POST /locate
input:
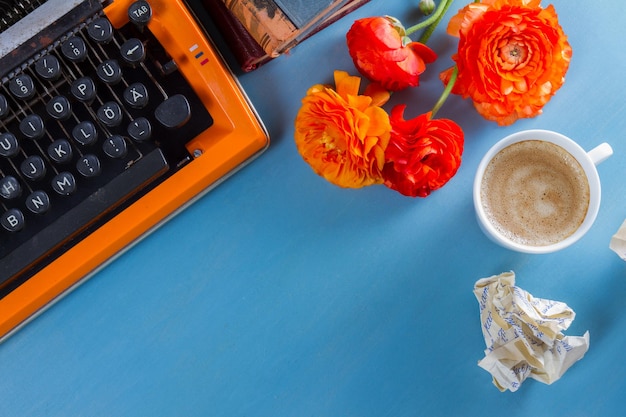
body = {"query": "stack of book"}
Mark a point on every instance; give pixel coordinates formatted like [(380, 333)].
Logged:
[(260, 30)]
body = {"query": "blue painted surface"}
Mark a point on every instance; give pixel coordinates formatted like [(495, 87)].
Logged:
[(279, 294)]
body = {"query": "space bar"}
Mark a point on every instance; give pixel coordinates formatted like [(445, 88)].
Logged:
[(81, 216)]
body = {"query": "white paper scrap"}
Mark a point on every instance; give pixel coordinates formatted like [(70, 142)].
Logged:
[(618, 241), (523, 334)]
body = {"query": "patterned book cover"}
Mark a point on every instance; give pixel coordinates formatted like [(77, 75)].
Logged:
[(257, 31), (265, 21), (278, 25)]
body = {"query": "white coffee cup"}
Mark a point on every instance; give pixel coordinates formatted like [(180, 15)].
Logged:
[(587, 161)]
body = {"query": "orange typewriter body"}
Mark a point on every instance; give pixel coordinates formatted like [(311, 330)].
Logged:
[(236, 136)]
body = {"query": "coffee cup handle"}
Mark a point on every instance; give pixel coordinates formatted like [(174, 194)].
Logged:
[(600, 153)]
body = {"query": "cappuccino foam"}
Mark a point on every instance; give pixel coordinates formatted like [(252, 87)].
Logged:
[(535, 193)]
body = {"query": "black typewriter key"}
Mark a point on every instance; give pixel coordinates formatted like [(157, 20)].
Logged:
[(60, 151), (140, 13), (74, 49), (85, 133), (167, 67), (38, 202), (115, 147), (12, 220), (59, 108), (33, 167), (110, 114), (84, 89), (109, 71), (133, 51), (173, 112), (32, 126), (48, 67), (4, 106), (136, 95), (10, 187), (22, 86), (140, 129), (64, 183), (89, 166), (100, 30), (9, 145)]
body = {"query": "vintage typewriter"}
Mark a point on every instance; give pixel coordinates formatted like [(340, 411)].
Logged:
[(114, 115)]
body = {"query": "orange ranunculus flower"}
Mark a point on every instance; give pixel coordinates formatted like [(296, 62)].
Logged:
[(423, 153), (343, 135), (512, 57), (382, 52)]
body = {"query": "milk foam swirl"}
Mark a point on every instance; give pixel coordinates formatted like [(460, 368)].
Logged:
[(535, 193)]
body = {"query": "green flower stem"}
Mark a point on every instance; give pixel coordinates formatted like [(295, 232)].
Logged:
[(429, 31), (446, 92), (432, 20)]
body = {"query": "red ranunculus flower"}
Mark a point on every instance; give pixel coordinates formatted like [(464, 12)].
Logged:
[(382, 52), (512, 57), (423, 153)]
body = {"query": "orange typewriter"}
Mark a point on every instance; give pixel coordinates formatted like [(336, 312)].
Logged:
[(114, 115)]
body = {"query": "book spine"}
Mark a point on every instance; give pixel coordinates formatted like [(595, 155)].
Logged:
[(246, 50), (265, 22)]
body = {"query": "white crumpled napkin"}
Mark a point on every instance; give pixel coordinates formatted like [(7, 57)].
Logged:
[(618, 241), (523, 334)]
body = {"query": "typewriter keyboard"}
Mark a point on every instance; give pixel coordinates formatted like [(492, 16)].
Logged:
[(87, 126)]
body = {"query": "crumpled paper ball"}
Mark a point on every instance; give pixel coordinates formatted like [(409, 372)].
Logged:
[(524, 335)]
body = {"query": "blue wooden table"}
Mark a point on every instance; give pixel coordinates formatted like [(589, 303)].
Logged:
[(278, 294)]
